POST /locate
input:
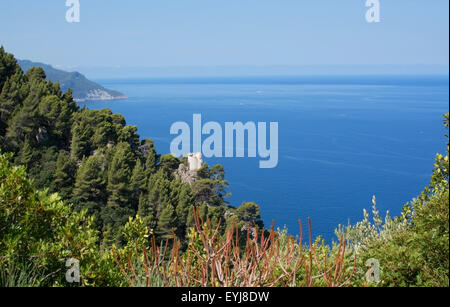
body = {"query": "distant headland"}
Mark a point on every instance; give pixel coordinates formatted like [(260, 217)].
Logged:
[(83, 88)]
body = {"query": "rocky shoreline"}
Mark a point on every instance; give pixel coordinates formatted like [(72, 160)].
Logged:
[(99, 95)]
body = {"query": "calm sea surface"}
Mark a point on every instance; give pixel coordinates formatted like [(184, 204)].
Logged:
[(341, 139)]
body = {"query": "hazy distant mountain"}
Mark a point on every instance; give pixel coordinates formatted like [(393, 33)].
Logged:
[(101, 72), (83, 89)]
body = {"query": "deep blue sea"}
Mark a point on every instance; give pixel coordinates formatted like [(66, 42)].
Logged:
[(341, 139)]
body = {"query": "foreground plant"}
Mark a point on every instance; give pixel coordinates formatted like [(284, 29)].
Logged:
[(221, 261)]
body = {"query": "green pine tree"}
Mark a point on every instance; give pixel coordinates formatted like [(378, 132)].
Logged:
[(64, 177), (167, 223), (152, 159), (89, 191), (119, 175), (138, 182), (25, 155)]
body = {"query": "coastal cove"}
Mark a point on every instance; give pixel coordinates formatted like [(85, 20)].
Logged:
[(341, 139)]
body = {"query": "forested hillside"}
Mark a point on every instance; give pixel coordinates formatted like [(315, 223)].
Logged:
[(93, 160), (79, 183)]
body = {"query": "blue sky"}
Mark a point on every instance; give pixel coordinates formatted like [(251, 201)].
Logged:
[(226, 32)]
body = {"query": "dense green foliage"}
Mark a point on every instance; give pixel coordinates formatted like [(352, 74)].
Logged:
[(95, 161), (78, 183), (38, 230)]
